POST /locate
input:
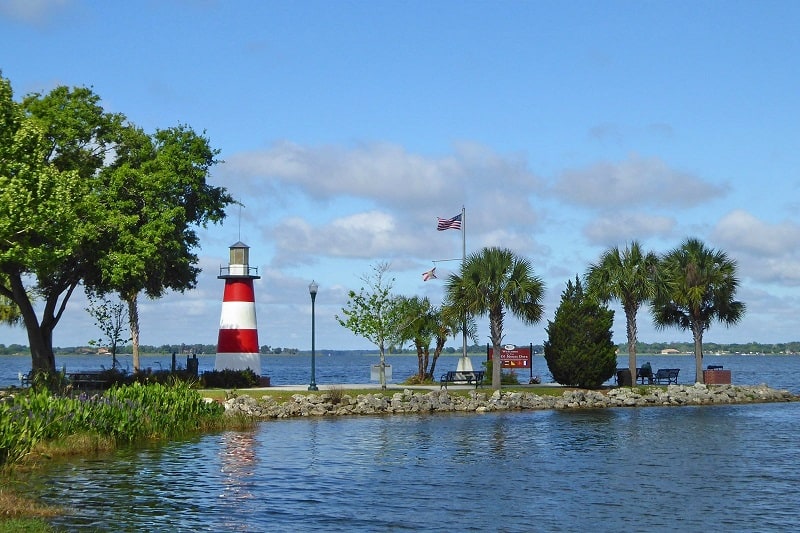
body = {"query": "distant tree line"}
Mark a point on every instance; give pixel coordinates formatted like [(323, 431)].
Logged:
[(711, 348)]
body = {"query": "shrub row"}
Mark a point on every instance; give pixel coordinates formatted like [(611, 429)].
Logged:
[(123, 413)]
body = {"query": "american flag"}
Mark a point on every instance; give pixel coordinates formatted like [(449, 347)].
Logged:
[(448, 223), (430, 274)]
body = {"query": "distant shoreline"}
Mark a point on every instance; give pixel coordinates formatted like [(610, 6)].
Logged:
[(334, 353)]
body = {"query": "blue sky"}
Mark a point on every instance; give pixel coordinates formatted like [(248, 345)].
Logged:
[(347, 127)]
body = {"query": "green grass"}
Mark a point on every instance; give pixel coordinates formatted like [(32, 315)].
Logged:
[(19, 513), (24, 525)]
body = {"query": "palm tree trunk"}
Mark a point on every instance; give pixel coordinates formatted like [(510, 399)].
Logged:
[(440, 342), (697, 332), (631, 319), (420, 362), (496, 332)]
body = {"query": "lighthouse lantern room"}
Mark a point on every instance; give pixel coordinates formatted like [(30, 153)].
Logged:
[(237, 344)]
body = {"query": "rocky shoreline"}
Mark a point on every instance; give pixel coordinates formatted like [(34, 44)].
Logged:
[(335, 403)]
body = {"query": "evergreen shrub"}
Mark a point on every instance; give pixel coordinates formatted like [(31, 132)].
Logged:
[(579, 350)]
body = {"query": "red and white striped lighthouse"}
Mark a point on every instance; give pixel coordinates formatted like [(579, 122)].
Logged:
[(237, 344)]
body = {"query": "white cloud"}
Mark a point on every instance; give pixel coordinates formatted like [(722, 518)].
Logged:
[(382, 171), (360, 235), (747, 233), (635, 182), (614, 228), (766, 252)]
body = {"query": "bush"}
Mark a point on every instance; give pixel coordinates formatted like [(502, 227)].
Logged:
[(124, 414), (579, 350), (230, 379)]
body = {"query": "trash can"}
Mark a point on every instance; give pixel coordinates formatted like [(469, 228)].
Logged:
[(717, 377), (624, 378)]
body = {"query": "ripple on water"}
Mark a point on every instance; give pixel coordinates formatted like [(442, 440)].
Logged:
[(722, 467)]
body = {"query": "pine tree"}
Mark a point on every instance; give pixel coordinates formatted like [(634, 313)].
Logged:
[(579, 350)]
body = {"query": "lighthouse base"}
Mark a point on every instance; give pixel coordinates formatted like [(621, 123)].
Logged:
[(238, 361)]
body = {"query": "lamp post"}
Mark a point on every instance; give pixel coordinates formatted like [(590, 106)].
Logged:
[(312, 289)]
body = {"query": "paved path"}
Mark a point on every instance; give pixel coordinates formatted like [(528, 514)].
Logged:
[(393, 386)]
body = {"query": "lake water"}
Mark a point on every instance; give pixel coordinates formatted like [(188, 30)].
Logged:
[(710, 468), (778, 371), (715, 468)]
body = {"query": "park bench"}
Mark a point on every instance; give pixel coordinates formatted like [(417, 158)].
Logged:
[(89, 380), (666, 375), (462, 376)]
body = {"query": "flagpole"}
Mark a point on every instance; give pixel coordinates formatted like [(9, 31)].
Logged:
[(463, 261)]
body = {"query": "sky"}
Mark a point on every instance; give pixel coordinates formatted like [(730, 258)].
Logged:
[(346, 128)]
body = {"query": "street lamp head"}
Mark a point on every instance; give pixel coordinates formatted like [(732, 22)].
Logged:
[(312, 288)]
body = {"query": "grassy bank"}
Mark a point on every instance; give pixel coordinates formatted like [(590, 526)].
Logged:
[(36, 425)]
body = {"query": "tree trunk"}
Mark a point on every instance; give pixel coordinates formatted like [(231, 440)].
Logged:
[(631, 323), (382, 371), (133, 319), (420, 363), (42, 358), (440, 342), (40, 336), (497, 363), (496, 333), (698, 353)]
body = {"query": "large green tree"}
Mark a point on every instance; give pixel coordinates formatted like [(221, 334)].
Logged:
[(374, 313), (491, 282), (579, 350), (87, 197), (630, 276), (158, 191), (47, 216), (698, 286)]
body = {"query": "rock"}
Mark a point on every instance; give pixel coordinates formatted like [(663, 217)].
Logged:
[(442, 401)]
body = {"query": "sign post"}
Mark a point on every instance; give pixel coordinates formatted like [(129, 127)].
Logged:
[(512, 356)]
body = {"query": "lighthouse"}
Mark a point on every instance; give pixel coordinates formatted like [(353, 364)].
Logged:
[(237, 344)]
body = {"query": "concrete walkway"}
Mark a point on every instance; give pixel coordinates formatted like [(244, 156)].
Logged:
[(367, 386), (395, 386)]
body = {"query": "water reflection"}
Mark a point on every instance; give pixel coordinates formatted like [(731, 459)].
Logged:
[(238, 464), (717, 468)]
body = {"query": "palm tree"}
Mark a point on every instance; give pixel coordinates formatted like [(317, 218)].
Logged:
[(490, 282), (422, 323), (418, 322), (629, 276), (698, 286)]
